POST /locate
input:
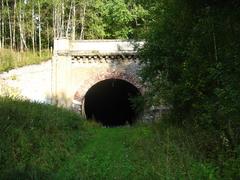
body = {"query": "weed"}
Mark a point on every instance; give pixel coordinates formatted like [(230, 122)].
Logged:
[(11, 59), (45, 142), (13, 77), (35, 136)]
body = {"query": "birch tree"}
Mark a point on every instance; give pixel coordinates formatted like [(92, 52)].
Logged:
[(39, 29)]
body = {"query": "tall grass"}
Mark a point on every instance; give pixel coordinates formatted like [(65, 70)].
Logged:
[(190, 153), (45, 142), (36, 139), (168, 152), (12, 59)]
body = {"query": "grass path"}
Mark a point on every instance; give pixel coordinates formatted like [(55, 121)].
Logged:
[(134, 153), (45, 142), (107, 155)]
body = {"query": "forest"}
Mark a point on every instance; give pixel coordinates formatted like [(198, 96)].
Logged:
[(32, 25), (191, 64)]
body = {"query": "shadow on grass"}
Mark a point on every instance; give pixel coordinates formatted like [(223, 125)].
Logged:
[(29, 172)]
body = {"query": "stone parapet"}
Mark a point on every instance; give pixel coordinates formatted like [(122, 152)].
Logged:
[(96, 47)]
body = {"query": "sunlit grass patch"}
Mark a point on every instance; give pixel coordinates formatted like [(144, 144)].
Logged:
[(12, 59)]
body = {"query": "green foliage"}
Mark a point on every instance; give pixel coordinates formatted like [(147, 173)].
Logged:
[(118, 22), (191, 64), (138, 104), (115, 19), (93, 19)]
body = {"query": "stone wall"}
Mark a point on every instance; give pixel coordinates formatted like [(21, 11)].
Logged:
[(78, 65)]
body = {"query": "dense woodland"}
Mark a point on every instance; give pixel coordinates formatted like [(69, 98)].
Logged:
[(191, 58), (33, 24), (192, 65)]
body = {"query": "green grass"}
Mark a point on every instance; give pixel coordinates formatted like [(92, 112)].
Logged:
[(12, 59), (36, 139), (135, 153), (45, 142)]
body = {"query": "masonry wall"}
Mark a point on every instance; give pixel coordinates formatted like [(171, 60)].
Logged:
[(74, 73)]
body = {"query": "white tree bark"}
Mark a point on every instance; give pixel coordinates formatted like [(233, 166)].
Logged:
[(10, 25), (14, 24), (83, 22), (39, 30), (3, 28), (33, 29), (74, 21), (69, 20)]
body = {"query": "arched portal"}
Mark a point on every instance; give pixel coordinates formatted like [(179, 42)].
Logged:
[(109, 102)]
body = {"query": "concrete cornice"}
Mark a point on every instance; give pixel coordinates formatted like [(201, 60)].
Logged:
[(96, 47)]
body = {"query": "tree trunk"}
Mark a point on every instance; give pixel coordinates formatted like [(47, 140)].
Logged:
[(83, 22), (0, 29), (24, 28), (33, 29), (69, 20), (10, 25), (74, 21), (39, 30), (63, 17), (2, 24), (20, 25), (14, 24), (48, 37), (54, 22), (57, 21)]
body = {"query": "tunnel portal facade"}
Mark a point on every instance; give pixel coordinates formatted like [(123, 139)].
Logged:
[(78, 66)]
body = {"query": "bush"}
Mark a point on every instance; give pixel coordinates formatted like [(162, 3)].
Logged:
[(192, 65)]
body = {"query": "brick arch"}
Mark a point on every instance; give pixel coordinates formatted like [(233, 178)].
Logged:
[(131, 78)]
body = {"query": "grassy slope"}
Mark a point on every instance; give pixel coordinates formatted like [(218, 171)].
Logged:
[(11, 59), (35, 138), (45, 142)]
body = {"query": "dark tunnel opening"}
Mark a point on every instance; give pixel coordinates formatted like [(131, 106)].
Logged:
[(108, 102)]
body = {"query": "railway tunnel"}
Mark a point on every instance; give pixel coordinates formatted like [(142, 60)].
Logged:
[(109, 102)]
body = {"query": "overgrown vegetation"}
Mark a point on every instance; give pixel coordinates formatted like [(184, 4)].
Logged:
[(139, 152), (36, 140), (12, 59), (192, 65), (44, 142)]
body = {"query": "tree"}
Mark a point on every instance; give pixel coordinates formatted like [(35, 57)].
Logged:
[(191, 63), (22, 26)]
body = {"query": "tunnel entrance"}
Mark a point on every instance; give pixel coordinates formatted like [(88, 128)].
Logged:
[(108, 102)]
